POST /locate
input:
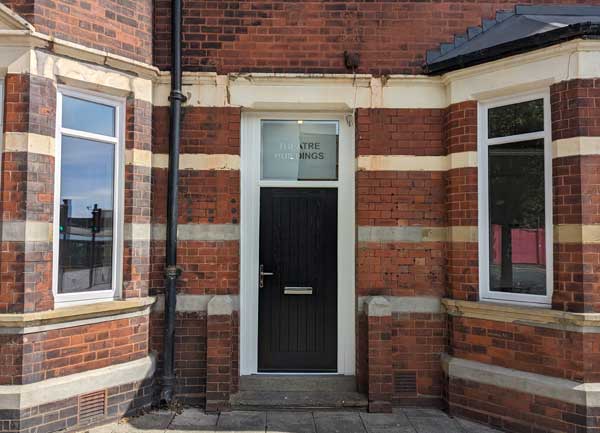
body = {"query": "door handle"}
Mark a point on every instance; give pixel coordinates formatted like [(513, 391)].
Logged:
[(261, 275)]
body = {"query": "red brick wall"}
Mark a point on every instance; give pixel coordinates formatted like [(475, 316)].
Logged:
[(462, 271), (518, 412), (379, 370), (122, 28), (401, 198), (400, 131), (311, 36), (61, 352), (11, 358), (129, 399), (418, 340), (203, 130), (575, 109), (401, 269), (190, 353), (557, 353), (30, 102), (219, 351), (27, 193), (461, 201)]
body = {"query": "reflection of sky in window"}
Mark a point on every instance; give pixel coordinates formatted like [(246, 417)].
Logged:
[(88, 116), (87, 175)]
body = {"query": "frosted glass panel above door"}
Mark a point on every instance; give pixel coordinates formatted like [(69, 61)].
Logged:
[(299, 150)]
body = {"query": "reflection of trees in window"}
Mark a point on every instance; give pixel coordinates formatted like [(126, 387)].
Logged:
[(516, 196), (514, 119)]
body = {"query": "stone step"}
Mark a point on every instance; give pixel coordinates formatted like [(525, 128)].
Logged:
[(297, 383), (296, 400)]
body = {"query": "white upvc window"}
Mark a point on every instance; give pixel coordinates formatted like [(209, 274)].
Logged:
[(88, 193), (515, 199)]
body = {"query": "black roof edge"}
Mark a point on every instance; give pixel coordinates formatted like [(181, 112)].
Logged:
[(585, 30)]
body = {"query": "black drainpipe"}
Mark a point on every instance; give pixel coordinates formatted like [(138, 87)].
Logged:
[(171, 271)]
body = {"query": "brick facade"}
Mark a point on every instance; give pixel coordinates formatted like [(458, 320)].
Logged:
[(64, 415), (575, 109), (399, 354), (39, 356), (400, 131), (401, 268), (517, 412), (310, 37), (576, 183), (190, 353), (461, 201), (27, 194), (121, 28)]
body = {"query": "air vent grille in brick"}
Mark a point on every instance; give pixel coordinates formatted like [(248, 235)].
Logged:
[(405, 383), (92, 406)]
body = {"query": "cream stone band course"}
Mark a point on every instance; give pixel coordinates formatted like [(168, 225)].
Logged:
[(416, 163), (18, 397), (417, 234), (26, 231), (199, 303), (576, 146), (524, 315), (28, 142), (583, 394), (199, 161), (588, 234), (138, 157), (405, 304)]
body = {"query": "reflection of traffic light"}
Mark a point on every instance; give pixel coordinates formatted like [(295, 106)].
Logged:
[(64, 215), (96, 219)]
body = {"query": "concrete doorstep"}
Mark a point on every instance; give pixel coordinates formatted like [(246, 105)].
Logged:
[(194, 420)]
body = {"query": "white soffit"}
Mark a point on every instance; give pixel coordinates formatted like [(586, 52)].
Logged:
[(578, 59)]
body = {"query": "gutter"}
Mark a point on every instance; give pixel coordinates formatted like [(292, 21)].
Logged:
[(519, 46), (176, 98)]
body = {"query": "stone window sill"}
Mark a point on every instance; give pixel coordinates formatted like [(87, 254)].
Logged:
[(74, 313), (517, 314)]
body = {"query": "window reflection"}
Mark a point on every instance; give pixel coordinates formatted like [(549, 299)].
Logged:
[(517, 217), (86, 215), (514, 119), (88, 116)]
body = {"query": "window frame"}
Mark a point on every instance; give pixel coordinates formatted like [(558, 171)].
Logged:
[(69, 299), (483, 143)]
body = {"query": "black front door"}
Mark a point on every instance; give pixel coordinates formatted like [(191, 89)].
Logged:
[(297, 314)]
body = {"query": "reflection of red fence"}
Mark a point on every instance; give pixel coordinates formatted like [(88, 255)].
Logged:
[(528, 245)]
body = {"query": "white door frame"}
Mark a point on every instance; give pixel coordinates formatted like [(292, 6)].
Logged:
[(249, 245)]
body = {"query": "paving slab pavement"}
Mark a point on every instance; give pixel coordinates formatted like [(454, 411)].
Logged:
[(402, 420)]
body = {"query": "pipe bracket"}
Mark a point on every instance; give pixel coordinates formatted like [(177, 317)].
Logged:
[(172, 272), (177, 95)]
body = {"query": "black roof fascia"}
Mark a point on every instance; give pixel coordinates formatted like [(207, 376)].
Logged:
[(574, 31)]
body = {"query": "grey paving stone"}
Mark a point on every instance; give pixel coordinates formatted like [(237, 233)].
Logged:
[(193, 420), (422, 412), (473, 427), (436, 424), (290, 422), (155, 422), (242, 421), (339, 422), (374, 420), (387, 429), (106, 428)]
